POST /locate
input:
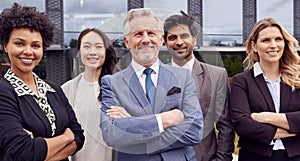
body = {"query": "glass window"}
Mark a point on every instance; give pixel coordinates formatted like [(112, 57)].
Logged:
[(222, 22), (40, 4), (173, 6), (82, 14), (281, 10)]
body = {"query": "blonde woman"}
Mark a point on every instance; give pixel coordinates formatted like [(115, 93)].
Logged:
[(264, 100)]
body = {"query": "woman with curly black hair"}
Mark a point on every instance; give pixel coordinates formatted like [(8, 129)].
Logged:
[(36, 120)]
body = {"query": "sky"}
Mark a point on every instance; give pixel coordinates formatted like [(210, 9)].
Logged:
[(219, 16)]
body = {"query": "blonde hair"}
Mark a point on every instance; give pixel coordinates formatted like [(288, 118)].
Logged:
[(139, 12), (288, 63)]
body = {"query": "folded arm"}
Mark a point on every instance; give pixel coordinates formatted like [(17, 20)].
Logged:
[(241, 98), (144, 129), (169, 118), (20, 143), (189, 131), (125, 130), (59, 147), (276, 119)]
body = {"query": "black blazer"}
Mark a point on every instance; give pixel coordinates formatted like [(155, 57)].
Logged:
[(251, 94), (21, 112)]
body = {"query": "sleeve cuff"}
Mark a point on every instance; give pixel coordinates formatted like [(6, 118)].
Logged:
[(159, 121)]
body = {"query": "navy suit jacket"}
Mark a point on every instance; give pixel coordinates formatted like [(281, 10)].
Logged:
[(138, 138), (251, 94), (18, 113)]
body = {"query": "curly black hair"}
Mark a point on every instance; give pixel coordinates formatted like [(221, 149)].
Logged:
[(25, 17)]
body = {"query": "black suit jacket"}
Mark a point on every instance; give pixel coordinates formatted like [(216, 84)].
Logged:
[(251, 94), (18, 113)]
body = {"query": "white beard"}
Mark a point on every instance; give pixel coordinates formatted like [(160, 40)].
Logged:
[(145, 53)]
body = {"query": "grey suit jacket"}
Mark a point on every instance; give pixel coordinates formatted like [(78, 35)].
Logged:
[(138, 138), (212, 84)]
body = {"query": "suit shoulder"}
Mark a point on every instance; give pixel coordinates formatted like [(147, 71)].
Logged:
[(214, 67), (121, 72), (7, 90), (5, 86), (106, 77), (245, 76), (175, 69)]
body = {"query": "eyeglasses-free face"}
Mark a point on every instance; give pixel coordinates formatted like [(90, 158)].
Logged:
[(144, 40), (24, 49)]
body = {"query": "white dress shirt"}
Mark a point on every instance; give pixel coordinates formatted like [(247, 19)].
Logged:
[(139, 71)]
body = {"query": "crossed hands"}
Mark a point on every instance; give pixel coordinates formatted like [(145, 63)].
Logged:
[(117, 112), (68, 133), (169, 118), (277, 119)]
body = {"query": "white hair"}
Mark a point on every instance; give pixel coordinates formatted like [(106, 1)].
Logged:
[(139, 12)]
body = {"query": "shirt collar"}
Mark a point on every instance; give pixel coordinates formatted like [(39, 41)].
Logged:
[(139, 69), (189, 65), (257, 69), (22, 89)]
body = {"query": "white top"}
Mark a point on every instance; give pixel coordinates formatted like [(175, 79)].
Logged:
[(82, 96)]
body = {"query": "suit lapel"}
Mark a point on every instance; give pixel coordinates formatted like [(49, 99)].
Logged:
[(135, 87), (263, 88), (38, 111), (284, 97), (166, 80), (203, 82), (198, 74)]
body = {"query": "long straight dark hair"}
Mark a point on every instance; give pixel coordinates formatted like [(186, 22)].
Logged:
[(110, 58)]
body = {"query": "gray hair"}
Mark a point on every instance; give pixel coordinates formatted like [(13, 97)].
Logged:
[(138, 12)]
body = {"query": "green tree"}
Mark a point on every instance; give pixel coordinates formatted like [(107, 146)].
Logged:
[(233, 64)]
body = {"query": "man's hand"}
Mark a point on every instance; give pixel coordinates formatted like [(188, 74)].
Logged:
[(172, 118), (117, 112)]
